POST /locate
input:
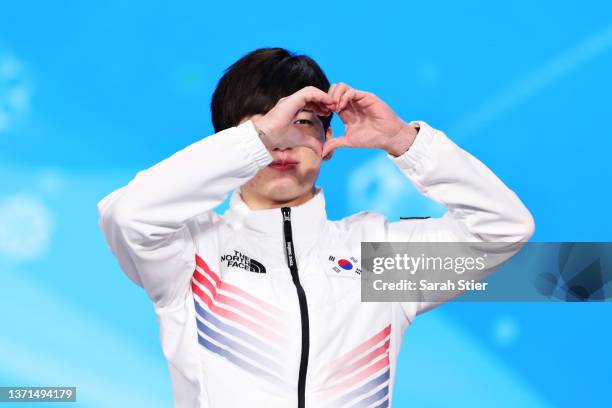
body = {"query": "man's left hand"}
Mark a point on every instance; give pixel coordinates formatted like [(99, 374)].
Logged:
[(369, 122)]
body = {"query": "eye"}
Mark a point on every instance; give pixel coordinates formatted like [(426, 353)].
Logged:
[(305, 121)]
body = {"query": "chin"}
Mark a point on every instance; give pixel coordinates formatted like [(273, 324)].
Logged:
[(285, 191)]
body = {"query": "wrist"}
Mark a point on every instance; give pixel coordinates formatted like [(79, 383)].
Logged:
[(402, 140), (261, 131), (258, 128)]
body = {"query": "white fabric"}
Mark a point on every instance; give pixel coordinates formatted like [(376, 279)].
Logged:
[(156, 224)]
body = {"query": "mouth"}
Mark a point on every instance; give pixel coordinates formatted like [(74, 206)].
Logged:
[(283, 165)]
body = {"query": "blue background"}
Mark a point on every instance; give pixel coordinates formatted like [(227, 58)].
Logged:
[(90, 93)]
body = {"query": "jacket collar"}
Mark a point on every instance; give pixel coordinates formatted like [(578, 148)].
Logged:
[(307, 219)]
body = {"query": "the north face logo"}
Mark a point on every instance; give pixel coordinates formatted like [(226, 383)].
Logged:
[(240, 260)]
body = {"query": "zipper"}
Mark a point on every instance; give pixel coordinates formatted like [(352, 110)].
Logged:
[(291, 262)]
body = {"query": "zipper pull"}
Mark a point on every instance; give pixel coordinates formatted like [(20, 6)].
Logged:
[(286, 213)]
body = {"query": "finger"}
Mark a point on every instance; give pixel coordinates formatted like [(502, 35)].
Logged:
[(334, 91), (331, 90), (349, 114), (298, 100), (346, 97), (333, 144), (341, 90), (362, 99), (320, 107), (319, 110), (312, 94)]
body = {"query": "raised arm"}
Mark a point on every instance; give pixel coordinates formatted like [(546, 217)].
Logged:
[(147, 222), (481, 208)]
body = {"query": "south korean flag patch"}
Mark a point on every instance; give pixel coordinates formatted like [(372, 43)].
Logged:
[(344, 266)]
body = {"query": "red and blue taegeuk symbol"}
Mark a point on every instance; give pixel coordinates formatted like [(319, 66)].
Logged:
[(345, 264)]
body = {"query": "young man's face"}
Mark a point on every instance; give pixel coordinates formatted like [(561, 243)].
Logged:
[(294, 170)]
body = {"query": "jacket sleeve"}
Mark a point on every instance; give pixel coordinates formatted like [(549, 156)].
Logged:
[(147, 223), (480, 207)]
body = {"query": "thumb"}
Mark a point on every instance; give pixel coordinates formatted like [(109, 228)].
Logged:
[(334, 143)]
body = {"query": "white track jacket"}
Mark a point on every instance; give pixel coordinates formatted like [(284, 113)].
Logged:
[(261, 308)]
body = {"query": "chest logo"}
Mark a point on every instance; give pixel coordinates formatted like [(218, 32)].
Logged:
[(340, 264), (240, 260)]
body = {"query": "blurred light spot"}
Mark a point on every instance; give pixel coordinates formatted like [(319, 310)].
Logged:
[(505, 331), (51, 181), (378, 185), (18, 97), (26, 226), (15, 91), (375, 185), (9, 67)]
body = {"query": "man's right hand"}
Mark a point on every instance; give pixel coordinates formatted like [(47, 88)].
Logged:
[(276, 126)]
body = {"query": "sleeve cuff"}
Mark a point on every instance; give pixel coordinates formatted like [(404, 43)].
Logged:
[(256, 150), (411, 160)]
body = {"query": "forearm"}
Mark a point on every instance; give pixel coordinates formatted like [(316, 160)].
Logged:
[(160, 199), (482, 210), (400, 143), (480, 206)]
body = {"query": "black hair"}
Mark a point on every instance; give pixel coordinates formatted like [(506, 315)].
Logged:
[(253, 84)]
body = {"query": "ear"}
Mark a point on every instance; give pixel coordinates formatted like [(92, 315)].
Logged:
[(328, 136)]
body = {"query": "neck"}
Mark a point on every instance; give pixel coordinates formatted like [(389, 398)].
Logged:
[(258, 202)]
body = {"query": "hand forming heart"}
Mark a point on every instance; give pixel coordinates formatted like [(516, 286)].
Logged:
[(369, 122), (276, 126)]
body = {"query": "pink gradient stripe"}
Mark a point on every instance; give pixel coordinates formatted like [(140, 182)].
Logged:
[(383, 363), (363, 361), (243, 307), (377, 338), (228, 287), (228, 314)]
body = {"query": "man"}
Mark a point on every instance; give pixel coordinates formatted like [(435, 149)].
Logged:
[(253, 308)]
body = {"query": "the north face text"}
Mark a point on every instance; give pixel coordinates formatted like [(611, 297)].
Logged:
[(240, 260)]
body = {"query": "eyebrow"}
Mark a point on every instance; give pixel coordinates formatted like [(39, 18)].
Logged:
[(307, 111), (311, 112)]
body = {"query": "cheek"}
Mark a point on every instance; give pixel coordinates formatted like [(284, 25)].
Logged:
[(264, 177), (310, 160), (258, 179)]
